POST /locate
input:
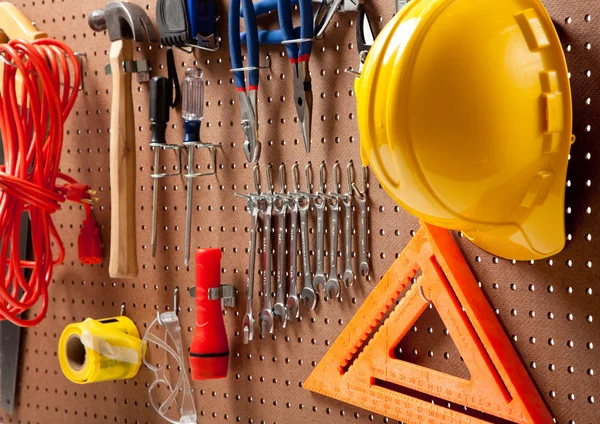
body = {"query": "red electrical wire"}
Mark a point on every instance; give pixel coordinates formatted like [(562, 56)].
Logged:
[(32, 137)]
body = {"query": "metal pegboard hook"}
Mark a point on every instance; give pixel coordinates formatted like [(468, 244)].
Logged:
[(422, 293), (176, 300), (256, 174), (295, 176), (255, 68), (336, 180), (322, 176), (281, 199), (269, 175), (308, 176), (365, 178), (350, 175), (400, 4), (122, 313), (282, 181)]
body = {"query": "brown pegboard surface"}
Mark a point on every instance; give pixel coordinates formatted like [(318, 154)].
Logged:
[(550, 309)]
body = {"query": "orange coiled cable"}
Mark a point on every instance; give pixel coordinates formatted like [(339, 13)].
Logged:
[(32, 138)]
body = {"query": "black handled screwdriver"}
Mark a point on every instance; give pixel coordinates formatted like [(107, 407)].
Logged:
[(161, 91)]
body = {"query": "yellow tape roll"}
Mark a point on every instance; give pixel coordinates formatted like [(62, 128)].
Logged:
[(100, 350)]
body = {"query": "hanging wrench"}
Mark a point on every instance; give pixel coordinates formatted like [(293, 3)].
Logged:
[(280, 207), (248, 322), (293, 303), (253, 209), (347, 199), (364, 219), (266, 315), (320, 202), (308, 294), (332, 288)]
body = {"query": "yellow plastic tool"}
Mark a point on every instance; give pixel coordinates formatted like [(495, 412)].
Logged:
[(15, 25), (361, 369), (100, 350), (465, 116)]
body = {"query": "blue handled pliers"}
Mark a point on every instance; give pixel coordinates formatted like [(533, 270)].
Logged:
[(248, 95), (298, 50)]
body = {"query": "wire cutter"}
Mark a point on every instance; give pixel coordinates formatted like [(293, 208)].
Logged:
[(298, 50), (327, 9), (300, 58), (248, 96), (365, 36)]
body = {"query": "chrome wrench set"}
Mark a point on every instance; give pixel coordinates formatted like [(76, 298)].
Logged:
[(290, 208)]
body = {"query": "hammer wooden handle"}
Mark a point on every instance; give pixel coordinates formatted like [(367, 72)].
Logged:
[(123, 253)]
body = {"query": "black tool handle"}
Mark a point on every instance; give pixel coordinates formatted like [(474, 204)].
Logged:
[(161, 92), (172, 20)]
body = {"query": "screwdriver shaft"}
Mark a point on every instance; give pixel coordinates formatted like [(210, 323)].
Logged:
[(188, 209), (154, 201)]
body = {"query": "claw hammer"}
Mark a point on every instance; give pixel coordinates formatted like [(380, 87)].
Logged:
[(125, 22)]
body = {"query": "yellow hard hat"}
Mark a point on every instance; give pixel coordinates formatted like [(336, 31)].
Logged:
[(465, 116)]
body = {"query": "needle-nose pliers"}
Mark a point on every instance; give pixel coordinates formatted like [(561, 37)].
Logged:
[(298, 44), (248, 95)]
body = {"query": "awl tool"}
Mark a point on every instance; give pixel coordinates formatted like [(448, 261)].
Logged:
[(192, 111), (160, 94)]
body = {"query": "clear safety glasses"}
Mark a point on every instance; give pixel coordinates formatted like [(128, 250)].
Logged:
[(173, 402)]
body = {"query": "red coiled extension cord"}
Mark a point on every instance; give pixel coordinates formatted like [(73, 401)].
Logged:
[(32, 137)]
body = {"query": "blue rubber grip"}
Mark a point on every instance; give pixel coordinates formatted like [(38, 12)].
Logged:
[(202, 17), (307, 27), (192, 131), (251, 41), (270, 37), (235, 46), (265, 6), (284, 11)]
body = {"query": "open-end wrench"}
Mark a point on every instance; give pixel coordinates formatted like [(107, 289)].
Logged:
[(308, 294), (319, 280), (292, 303), (348, 277), (248, 322), (320, 201), (253, 209), (332, 287), (364, 230), (280, 206), (266, 315)]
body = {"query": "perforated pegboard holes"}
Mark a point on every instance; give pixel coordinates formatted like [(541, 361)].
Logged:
[(560, 286)]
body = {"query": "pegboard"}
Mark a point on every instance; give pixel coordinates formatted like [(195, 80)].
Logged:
[(550, 309)]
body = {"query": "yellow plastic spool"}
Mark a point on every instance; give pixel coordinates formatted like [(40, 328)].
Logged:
[(100, 350), (465, 116)]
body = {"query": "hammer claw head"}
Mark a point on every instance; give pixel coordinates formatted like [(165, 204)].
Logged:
[(96, 20), (124, 20)]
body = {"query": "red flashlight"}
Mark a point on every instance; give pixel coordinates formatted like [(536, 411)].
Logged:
[(209, 353)]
